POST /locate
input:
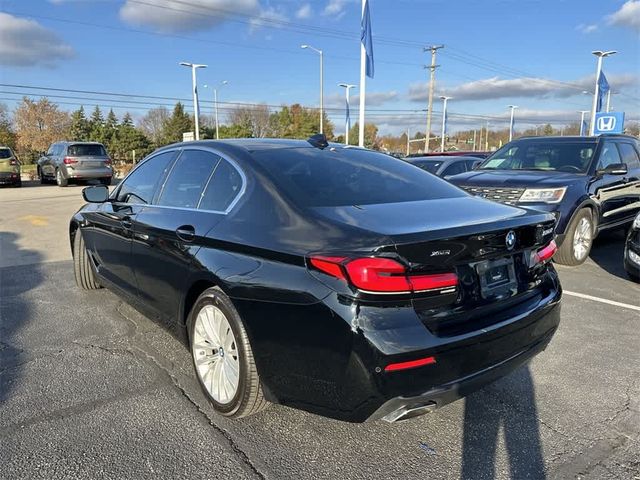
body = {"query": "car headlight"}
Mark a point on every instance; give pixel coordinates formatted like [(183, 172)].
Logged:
[(636, 222), (543, 195)]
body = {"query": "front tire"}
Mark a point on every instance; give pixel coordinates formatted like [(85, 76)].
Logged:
[(60, 180), (222, 356), (85, 276), (579, 239)]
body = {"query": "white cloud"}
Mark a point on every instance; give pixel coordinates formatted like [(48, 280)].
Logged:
[(176, 16), (374, 99), (526, 87), (25, 43), (268, 16), (304, 11), (335, 9), (627, 16), (584, 28)]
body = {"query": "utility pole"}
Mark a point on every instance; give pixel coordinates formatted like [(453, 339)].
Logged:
[(480, 139), (474, 140), (512, 107), (408, 142), (594, 106), (319, 52), (432, 70), (486, 140), (347, 120)]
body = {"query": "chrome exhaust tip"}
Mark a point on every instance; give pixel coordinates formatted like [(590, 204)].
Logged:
[(405, 412)]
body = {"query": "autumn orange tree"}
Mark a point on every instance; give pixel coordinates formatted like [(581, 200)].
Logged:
[(38, 124)]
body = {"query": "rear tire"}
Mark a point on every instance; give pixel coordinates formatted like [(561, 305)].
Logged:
[(217, 352), (60, 180), (579, 239), (43, 180), (85, 276)]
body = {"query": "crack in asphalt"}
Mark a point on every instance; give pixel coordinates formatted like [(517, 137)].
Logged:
[(244, 457)]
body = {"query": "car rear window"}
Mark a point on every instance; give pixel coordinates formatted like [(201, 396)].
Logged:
[(431, 167), (86, 150), (349, 176), (548, 154), (5, 153)]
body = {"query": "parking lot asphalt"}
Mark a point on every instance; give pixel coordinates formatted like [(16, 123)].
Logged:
[(90, 388)]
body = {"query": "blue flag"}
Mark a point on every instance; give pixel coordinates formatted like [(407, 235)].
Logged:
[(603, 89), (366, 38)]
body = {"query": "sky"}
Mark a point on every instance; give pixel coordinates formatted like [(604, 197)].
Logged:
[(535, 54)]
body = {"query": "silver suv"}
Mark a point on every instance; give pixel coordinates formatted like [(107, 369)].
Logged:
[(73, 161)]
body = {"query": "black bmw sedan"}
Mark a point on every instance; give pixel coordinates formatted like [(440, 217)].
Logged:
[(328, 278)]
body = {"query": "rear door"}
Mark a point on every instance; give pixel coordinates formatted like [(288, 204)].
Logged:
[(631, 159), (109, 233), (169, 233), (611, 190)]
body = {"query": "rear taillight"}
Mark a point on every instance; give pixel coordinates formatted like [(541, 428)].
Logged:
[(107, 161), (545, 253), (69, 161), (13, 162), (382, 275)]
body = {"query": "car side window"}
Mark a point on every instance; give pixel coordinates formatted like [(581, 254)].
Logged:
[(140, 186), (52, 149), (629, 155), (188, 178), (455, 169), (223, 188), (608, 156)]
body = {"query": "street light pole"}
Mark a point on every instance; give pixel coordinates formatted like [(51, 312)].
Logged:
[(512, 107), (444, 121), (347, 119), (432, 68), (196, 108), (600, 54), (319, 52)]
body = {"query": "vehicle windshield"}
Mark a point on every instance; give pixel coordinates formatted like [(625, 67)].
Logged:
[(429, 166), (546, 155), (5, 153), (86, 150), (341, 177)]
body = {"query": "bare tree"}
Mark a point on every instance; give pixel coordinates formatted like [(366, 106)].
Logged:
[(39, 124), (253, 117), (153, 122)]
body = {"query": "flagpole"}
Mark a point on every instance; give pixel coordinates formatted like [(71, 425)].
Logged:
[(363, 55)]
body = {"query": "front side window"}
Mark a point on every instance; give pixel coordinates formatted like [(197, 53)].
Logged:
[(140, 186), (431, 167), (629, 155), (608, 156), (223, 188), (188, 178), (547, 155)]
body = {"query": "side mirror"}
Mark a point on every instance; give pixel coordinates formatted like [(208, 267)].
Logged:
[(96, 194), (614, 169)]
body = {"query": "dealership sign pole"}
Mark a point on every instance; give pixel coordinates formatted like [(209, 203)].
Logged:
[(596, 94)]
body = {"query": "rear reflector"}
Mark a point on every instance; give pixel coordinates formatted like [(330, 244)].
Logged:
[(421, 362), (381, 275)]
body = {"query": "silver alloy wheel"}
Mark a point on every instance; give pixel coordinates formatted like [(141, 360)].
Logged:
[(215, 354), (58, 177), (582, 238)]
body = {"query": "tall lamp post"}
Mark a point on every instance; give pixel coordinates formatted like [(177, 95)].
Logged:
[(347, 119), (215, 105), (196, 109), (319, 52), (600, 54), (513, 108), (444, 121)]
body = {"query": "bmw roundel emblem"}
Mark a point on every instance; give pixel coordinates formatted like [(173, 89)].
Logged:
[(510, 239)]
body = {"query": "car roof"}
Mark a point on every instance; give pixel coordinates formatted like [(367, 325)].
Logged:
[(250, 144), (573, 138), (450, 159)]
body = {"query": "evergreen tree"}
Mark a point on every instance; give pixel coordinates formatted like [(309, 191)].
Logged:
[(96, 126), (79, 129), (178, 123), (130, 139), (110, 132)]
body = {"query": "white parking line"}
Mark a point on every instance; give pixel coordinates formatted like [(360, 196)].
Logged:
[(602, 300)]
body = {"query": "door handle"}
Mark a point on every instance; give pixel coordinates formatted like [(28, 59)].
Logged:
[(126, 222), (186, 233)]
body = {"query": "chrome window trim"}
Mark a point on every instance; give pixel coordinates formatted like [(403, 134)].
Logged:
[(233, 163)]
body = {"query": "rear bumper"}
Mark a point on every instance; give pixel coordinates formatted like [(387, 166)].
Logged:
[(87, 173), (9, 178), (402, 408), (632, 253)]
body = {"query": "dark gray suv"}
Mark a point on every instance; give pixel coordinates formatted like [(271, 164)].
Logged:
[(73, 161)]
